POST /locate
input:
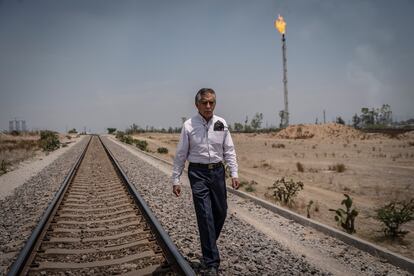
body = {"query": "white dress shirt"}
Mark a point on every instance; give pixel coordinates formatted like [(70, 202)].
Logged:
[(200, 143)]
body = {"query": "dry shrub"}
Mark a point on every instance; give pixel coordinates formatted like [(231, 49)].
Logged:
[(339, 167), (300, 167), (278, 146)]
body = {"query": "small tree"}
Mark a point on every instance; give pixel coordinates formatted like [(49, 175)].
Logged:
[(346, 218), (340, 121), (238, 127), (257, 120), (286, 190), (73, 131), (356, 121), (393, 215), (111, 130)]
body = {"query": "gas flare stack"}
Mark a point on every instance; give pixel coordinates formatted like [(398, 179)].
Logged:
[(280, 25)]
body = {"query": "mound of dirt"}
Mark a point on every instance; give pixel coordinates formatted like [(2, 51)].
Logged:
[(325, 131)]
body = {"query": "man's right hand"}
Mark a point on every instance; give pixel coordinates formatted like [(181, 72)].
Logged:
[(177, 190)]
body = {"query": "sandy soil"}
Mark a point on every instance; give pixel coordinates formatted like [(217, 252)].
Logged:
[(378, 169), (29, 163)]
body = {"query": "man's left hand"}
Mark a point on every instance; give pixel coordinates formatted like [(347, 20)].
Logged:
[(235, 183)]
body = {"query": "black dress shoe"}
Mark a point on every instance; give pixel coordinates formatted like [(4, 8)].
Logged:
[(211, 271)]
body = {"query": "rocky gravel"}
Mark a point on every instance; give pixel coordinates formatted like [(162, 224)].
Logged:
[(21, 211), (245, 250)]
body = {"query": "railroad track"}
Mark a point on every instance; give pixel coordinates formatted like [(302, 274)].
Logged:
[(98, 224)]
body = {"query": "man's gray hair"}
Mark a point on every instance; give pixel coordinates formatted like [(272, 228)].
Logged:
[(202, 92)]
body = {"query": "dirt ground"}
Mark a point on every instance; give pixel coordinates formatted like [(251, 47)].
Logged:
[(378, 169), (16, 149)]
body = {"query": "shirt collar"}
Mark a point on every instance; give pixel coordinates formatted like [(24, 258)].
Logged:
[(204, 120)]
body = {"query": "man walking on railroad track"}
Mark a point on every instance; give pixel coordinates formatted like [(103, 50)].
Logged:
[(205, 142)]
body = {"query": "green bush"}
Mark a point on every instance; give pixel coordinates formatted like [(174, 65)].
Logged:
[(73, 131), (162, 150), (111, 130), (128, 139), (393, 215), (346, 219), (286, 190), (49, 140), (141, 144)]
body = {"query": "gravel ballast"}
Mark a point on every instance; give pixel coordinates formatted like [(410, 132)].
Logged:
[(21, 210), (245, 250)]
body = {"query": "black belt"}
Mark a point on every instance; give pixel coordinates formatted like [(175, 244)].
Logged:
[(207, 166)]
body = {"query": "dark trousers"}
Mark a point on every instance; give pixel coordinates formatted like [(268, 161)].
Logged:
[(210, 201)]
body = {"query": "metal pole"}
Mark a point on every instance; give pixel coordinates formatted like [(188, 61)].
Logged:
[(286, 111)]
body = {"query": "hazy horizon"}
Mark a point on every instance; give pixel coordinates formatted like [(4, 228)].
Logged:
[(99, 64)]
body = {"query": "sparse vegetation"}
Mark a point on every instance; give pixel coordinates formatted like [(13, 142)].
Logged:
[(395, 214), (73, 131), (285, 191), (49, 140), (346, 218), (162, 150), (339, 167)]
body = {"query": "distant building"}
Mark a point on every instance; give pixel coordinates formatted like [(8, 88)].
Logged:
[(17, 125)]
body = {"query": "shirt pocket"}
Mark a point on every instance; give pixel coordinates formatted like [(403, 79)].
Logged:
[(216, 137)]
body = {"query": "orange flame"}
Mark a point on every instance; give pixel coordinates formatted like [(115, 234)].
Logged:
[(280, 24)]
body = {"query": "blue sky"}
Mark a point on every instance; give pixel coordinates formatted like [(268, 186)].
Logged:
[(99, 64)]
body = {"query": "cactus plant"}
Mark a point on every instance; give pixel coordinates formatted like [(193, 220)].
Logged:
[(393, 215), (285, 190), (346, 219)]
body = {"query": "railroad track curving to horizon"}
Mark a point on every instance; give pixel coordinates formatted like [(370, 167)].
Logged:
[(97, 223)]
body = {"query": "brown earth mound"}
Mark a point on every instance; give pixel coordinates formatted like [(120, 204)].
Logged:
[(330, 130)]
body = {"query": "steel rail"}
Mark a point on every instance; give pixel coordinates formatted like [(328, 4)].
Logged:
[(19, 265), (174, 257)]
